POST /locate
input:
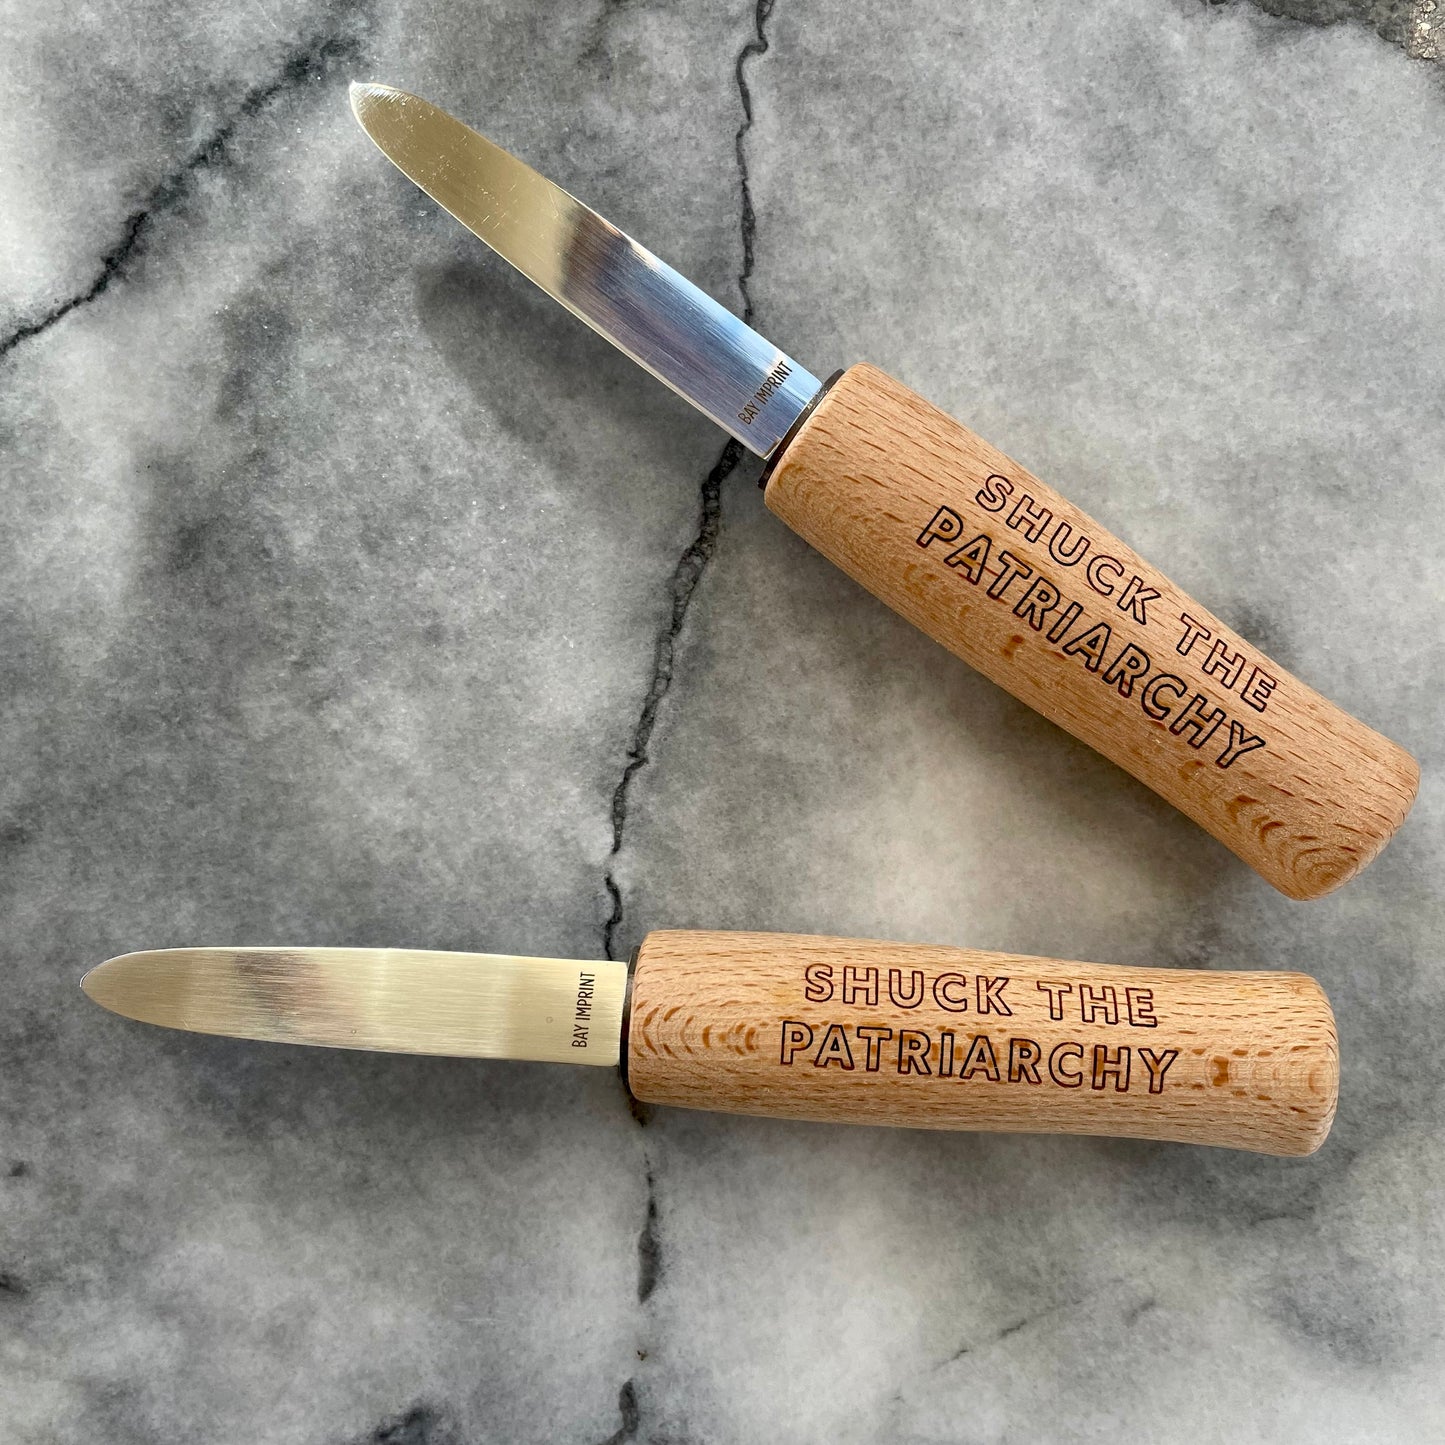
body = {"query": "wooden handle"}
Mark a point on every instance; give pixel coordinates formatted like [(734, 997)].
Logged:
[(1023, 586), (949, 1038)]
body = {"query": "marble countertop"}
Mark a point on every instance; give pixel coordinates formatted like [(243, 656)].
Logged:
[(354, 593)]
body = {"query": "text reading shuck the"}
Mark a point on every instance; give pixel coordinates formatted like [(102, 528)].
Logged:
[(774, 379), (1085, 630), (582, 1014)]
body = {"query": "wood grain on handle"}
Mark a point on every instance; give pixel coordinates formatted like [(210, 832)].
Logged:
[(946, 1038), (1004, 572)]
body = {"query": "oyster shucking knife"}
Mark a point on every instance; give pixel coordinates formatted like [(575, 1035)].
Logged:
[(986, 559), (811, 1028)]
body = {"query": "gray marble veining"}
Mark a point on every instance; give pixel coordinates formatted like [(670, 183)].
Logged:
[(354, 593)]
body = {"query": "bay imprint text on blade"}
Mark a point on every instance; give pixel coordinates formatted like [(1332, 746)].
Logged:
[(773, 381), (582, 1012)]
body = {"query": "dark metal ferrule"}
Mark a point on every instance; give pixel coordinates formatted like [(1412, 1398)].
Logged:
[(776, 455)]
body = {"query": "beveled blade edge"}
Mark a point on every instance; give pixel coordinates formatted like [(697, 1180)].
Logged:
[(619, 288), (467, 1005)]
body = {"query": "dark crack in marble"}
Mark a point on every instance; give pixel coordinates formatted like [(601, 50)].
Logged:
[(631, 1416), (419, 1425), (314, 59), (694, 560), (1416, 26)]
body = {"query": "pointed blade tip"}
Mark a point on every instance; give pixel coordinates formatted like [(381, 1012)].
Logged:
[(99, 983), (92, 979), (364, 94)]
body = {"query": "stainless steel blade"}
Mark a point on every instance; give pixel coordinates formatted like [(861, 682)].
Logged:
[(621, 290), (472, 1005)]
